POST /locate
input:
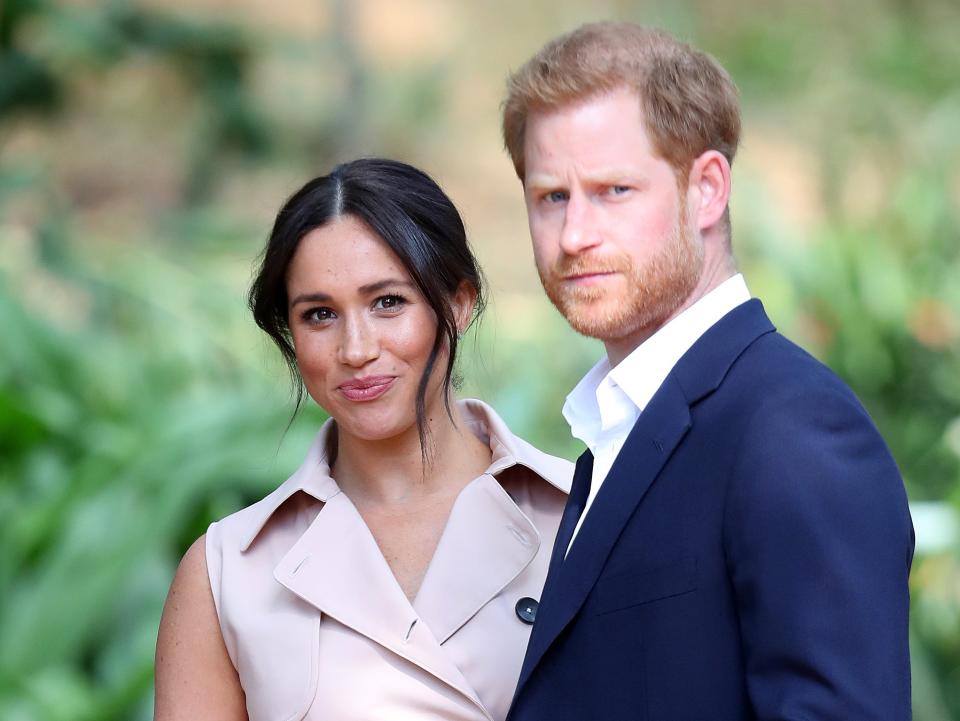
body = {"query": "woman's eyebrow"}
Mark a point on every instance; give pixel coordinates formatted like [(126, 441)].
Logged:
[(381, 284), (367, 289), (310, 298)]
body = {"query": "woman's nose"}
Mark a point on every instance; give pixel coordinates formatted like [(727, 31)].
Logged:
[(359, 343)]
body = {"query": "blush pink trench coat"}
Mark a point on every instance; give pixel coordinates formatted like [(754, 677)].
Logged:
[(318, 628)]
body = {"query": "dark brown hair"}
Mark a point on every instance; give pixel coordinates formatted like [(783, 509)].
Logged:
[(417, 221)]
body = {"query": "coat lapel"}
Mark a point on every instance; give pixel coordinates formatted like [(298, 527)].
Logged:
[(660, 428), (486, 544), (337, 567)]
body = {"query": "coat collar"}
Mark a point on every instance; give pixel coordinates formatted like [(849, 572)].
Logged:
[(509, 450), (336, 566), (313, 476)]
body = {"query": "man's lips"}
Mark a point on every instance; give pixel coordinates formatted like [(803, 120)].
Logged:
[(367, 388), (587, 277)]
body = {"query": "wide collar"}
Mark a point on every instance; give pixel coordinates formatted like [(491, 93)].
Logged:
[(659, 430), (337, 567), (313, 476)]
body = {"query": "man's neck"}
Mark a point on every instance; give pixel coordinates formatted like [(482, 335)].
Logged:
[(713, 276)]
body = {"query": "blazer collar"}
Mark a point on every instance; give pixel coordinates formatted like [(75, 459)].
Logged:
[(701, 370), (659, 430)]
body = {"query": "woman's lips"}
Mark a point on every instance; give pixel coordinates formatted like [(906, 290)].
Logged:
[(366, 389)]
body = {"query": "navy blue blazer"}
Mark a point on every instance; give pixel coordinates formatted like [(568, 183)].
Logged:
[(746, 557)]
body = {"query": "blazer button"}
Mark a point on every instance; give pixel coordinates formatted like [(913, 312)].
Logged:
[(527, 609)]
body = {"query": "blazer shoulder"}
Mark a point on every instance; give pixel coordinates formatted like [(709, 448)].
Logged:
[(802, 430), (776, 366)]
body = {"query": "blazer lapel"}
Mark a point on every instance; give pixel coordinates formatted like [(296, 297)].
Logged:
[(579, 490), (660, 428), (337, 567), (657, 432)]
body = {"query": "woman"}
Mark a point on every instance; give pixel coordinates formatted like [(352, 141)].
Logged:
[(395, 574)]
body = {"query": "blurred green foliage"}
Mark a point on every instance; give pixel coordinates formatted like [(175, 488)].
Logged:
[(137, 403), (124, 429)]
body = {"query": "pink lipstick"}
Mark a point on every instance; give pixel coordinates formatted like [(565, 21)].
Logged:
[(367, 388)]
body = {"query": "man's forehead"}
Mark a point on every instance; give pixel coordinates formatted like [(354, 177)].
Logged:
[(598, 127), (590, 107)]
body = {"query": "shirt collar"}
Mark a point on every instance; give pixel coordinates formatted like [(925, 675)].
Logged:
[(313, 476), (640, 374), (582, 409)]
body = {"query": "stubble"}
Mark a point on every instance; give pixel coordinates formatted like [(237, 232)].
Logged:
[(648, 295)]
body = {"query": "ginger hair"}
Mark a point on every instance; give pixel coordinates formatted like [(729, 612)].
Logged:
[(688, 102)]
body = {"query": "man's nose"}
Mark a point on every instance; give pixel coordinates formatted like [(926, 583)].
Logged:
[(579, 231), (359, 343)]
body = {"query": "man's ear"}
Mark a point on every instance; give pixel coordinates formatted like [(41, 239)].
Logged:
[(708, 189), (462, 303)]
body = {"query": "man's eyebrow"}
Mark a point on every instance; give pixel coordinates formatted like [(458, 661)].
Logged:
[(540, 181), (367, 289)]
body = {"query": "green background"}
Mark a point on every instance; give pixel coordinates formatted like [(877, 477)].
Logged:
[(145, 147)]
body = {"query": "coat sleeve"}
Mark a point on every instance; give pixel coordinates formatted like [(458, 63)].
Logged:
[(818, 541)]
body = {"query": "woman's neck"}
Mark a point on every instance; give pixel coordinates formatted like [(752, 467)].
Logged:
[(391, 472)]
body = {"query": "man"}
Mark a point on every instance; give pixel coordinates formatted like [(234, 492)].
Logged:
[(737, 541)]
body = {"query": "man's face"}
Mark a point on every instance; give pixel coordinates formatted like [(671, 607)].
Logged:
[(610, 229)]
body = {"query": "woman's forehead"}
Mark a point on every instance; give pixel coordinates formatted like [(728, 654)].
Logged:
[(347, 253)]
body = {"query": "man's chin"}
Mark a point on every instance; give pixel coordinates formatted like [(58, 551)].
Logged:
[(614, 323), (595, 320)]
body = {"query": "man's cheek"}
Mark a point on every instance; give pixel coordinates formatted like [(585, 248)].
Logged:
[(543, 256)]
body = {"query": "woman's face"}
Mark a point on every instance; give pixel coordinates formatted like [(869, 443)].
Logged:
[(361, 330)]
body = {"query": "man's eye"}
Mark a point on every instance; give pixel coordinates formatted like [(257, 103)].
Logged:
[(556, 196), (619, 189)]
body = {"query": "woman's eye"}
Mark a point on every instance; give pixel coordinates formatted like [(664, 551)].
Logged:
[(389, 302), (318, 315)]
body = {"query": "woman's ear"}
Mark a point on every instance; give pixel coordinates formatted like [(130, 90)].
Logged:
[(462, 302)]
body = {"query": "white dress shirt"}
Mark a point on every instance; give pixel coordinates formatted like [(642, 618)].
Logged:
[(604, 406)]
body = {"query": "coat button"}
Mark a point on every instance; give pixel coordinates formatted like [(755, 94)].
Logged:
[(527, 609)]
